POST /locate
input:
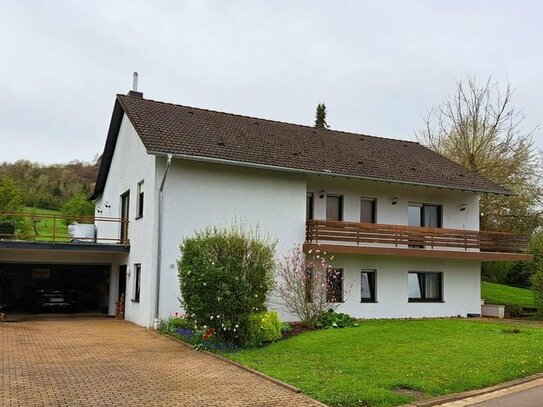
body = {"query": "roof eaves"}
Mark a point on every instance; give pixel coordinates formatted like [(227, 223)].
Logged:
[(505, 191)]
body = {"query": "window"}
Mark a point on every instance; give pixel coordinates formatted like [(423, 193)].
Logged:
[(309, 206), (334, 207), (367, 210), (139, 209), (137, 282), (425, 215), (367, 286), (334, 287), (425, 286)]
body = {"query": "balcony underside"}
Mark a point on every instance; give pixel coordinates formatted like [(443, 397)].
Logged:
[(412, 252)]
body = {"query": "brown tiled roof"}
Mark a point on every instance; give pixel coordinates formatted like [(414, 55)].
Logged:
[(188, 131)]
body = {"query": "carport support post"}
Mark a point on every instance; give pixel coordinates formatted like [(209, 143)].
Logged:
[(159, 240)]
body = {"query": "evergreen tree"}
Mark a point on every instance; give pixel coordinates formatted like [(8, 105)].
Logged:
[(320, 117)]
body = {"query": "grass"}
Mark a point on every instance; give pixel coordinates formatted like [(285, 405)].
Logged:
[(367, 365), (506, 295), (45, 225)]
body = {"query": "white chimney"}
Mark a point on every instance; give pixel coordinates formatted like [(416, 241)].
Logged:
[(134, 92), (135, 82)]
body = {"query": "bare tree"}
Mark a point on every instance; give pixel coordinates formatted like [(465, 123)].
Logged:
[(479, 127)]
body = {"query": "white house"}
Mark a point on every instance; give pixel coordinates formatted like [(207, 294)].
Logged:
[(401, 221)]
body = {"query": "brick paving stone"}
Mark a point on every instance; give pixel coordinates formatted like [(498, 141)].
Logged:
[(72, 362)]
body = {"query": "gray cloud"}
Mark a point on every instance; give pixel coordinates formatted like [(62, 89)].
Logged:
[(378, 65)]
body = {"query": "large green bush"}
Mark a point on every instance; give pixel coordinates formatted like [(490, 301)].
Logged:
[(262, 328), (225, 275), (76, 207)]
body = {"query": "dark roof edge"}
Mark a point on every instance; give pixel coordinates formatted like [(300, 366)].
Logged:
[(302, 171), (109, 149)]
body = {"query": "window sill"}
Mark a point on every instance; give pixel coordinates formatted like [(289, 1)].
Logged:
[(369, 302), (426, 301), (138, 217), (136, 301)]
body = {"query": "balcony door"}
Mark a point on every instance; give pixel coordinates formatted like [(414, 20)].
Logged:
[(125, 207), (334, 207), (422, 215)]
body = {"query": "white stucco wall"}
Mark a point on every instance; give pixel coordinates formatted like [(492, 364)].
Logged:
[(202, 194), (197, 195), (461, 286), (130, 165)]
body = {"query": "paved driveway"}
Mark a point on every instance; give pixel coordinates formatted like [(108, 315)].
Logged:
[(103, 362)]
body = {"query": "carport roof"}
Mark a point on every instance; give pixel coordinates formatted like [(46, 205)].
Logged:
[(72, 247)]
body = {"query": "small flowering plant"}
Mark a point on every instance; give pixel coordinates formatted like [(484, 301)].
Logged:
[(186, 328)]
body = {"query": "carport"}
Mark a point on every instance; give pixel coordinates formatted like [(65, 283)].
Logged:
[(68, 277)]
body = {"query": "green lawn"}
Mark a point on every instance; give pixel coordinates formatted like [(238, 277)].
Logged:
[(45, 226), (503, 294), (363, 366)]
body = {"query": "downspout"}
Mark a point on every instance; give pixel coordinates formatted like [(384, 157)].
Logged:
[(159, 239)]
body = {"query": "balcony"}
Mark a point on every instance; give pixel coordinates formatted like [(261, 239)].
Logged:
[(21, 230), (396, 240)]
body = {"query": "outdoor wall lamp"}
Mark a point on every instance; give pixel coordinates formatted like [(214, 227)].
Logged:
[(462, 207), (107, 205), (322, 194), (394, 201)]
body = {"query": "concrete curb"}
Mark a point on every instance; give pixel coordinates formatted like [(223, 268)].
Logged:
[(248, 369), (472, 393)]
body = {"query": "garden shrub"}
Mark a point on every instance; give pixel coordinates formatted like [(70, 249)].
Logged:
[(332, 319), (225, 275), (262, 328)]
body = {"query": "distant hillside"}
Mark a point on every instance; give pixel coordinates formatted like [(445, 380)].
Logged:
[(51, 186), (503, 294)]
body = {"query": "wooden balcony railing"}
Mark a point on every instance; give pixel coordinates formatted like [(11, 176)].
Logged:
[(54, 228), (369, 234)]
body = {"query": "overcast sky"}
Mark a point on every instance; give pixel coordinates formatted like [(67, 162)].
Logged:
[(378, 65)]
